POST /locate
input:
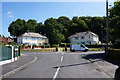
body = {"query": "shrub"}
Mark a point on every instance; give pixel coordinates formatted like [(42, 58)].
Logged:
[(45, 46), (114, 55), (117, 45), (5, 44), (96, 45), (55, 45)]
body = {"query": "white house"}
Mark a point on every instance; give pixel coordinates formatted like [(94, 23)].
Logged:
[(87, 37), (32, 38)]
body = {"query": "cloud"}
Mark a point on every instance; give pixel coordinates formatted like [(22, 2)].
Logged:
[(11, 16), (9, 12)]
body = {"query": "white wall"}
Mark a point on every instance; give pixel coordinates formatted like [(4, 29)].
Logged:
[(29, 40), (87, 39)]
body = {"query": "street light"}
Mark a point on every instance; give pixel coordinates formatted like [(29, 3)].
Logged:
[(107, 33), (102, 33)]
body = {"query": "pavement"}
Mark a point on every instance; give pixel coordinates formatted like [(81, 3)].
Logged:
[(24, 59), (107, 67), (60, 65)]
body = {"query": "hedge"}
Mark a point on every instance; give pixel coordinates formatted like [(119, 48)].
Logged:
[(96, 45), (45, 46), (55, 45), (114, 55)]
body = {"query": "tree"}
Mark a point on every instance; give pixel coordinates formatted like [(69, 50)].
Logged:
[(40, 28), (78, 25), (31, 25), (66, 22), (115, 21), (94, 24), (54, 30), (17, 27)]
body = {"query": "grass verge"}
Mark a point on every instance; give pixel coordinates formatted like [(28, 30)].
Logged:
[(95, 49), (42, 50)]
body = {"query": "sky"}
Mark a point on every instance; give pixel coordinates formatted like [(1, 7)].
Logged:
[(40, 11)]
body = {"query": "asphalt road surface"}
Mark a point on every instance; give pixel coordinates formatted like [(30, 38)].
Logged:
[(60, 65)]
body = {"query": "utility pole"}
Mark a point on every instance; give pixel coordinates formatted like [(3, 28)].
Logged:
[(102, 35), (107, 32)]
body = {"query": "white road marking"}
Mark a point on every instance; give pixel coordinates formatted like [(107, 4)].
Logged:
[(56, 73), (61, 59), (58, 69)]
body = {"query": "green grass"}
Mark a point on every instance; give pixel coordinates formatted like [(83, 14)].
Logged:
[(96, 49), (115, 49), (37, 50)]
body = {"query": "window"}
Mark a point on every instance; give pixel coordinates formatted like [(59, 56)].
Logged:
[(82, 42), (82, 37), (28, 38), (89, 42), (89, 37), (40, 39), (76, 38), (33, 38)]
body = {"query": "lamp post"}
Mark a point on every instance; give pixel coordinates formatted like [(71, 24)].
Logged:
[(107, 32), (102, 34)]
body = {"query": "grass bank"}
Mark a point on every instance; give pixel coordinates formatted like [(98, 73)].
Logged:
[(42, 50)]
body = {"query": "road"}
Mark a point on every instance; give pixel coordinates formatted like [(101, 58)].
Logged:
[(60, 65)]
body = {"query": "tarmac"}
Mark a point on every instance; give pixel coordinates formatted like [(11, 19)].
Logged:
[(105, 66)]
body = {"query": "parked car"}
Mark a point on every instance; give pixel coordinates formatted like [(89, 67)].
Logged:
[(78, 47)]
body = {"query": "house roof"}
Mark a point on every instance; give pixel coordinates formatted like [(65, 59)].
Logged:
[(83, 34), (31, 34)]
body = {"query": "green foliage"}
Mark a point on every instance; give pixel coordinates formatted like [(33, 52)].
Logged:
[(96, 49), (114, 55), (94, 24), (54, 31), (31, 25), (77, 25), (57, 30), (39, 50), (19, 27), (45, 46), (115, 21), (117, 45), (66, 22), (5, 44), (55, 45)]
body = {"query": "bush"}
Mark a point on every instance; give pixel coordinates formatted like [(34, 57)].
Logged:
[(117, 45), (96, 45), (62, 45), (45, 46), (55, 45), (114, 55), (5, 44)]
